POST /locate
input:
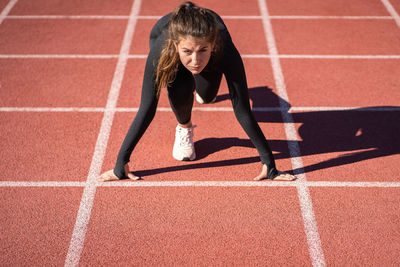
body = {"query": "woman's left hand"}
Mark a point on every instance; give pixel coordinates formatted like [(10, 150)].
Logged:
[(110, 175), (282, 176)]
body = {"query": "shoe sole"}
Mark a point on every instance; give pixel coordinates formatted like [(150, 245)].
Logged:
[(193, 157), (201, 101)]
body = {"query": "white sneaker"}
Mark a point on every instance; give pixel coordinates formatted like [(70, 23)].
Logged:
[(183, 146), (201, 100)]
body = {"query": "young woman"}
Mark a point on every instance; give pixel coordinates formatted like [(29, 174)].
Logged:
[(190, 50)]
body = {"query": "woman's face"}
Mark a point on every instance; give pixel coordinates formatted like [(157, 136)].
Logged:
[(194, 53)]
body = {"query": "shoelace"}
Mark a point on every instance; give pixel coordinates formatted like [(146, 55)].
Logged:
[(185, 136)]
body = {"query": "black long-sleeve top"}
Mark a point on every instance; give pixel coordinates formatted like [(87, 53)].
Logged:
[(229, 63)]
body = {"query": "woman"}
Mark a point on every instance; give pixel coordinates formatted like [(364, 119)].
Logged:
[(190, 49)]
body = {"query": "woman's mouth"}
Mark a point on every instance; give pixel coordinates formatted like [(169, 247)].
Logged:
[(196, 68)]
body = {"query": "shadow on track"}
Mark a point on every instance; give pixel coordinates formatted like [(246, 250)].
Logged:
[(359, 133)]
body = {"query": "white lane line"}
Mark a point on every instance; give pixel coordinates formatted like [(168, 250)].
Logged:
[(111, 17), (123, 17), (59, 56), (391, 11), (199, 183), (41, 184), (46, 17), (83, 217), (222, 16), (50, 109), (144, 56), (240, 17), (6, 10), (333, 17), (340, 56), (203, 109), (280, 86), (352, 184), (266, 183), (310, 224), (66, 56)]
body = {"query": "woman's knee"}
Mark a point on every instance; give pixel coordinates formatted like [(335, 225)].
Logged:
[(207, 85), (182, 87)]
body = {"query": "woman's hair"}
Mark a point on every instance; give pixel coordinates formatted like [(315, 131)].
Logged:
[(186, 20)]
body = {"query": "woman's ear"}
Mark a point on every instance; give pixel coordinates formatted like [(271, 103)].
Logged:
[(176, 46)]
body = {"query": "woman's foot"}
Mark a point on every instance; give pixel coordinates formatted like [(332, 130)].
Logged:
[(183, 149), (110, 176), (282, 176)]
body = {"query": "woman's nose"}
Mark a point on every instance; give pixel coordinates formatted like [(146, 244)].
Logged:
[(195, 58)]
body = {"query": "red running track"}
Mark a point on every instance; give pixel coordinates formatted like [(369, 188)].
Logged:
[(70, 79)]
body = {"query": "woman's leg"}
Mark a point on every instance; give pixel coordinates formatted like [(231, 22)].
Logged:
[(180, 94), (207, 85)]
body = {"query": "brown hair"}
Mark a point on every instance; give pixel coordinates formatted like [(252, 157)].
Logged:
[(186, 20)]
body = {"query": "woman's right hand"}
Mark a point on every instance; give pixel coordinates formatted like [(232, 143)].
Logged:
[(282, 176), (110, 176)]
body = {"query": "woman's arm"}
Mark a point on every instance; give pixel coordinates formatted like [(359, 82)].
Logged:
[(236, 78), (143, 118)]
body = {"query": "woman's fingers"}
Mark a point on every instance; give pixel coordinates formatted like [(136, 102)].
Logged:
[(262, 175), (132, 177), (108, 176), (129, 174), (282, 176)]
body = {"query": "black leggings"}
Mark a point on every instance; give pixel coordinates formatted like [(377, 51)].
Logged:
[(180, 92)]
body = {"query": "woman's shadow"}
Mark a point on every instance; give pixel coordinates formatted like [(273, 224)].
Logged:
[(360, 134), (260, 97)]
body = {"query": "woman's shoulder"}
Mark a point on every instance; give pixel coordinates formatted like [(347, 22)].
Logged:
[(220, 21), (163, 22)]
